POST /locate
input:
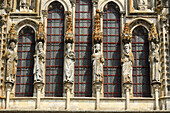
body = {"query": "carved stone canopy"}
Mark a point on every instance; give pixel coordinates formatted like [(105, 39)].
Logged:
[(126, 35), (12, 36), (8, 6), (153, 35), (97, 34), (2, 20), (69, 29), (40, 36)]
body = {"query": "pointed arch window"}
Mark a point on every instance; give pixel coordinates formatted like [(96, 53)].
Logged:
[(24, 77), (55, 50), (112, 55), (83, 44), (141, 71)]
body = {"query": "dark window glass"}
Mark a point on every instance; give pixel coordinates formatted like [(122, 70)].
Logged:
[(141, 76), (55, 50), (111, 48), (24, 77), (83, 41)]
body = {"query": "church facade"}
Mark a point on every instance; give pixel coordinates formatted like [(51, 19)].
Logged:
[(84, 55)]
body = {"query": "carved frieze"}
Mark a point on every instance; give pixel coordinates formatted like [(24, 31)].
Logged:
[(141, 6), (97, 34)]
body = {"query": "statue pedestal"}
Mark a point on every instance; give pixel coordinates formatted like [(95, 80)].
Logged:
[(38, 85), (127, 88), (97, 87), (68, 87), (9, 86), (156, 87)]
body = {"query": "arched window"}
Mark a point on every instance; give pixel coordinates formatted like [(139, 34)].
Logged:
[(24, 77), (83, 42), (111, 43), (55, 50), (141, 76)]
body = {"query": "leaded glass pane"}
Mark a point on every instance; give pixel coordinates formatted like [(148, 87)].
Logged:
[(111, 36)]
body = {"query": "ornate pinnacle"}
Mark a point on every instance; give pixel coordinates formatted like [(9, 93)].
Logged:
[(12, 36), (40, 33), (97, 34), (153, 35), (69, 30), (126, 35)]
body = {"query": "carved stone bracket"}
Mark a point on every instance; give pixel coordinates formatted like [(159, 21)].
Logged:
[(40, 36), (9, 87), (156, 87), (45, 13), (97, 36)]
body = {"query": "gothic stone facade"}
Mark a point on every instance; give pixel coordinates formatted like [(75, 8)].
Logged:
[(84, 55)]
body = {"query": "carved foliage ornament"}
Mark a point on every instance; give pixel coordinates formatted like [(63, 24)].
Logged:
[(40, 33), (12, 36), (153, 35), (8, 6), (126, 35), (69, 29), (97, 34)]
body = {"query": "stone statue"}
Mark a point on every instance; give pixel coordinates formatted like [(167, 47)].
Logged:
[(39, 62), (98, 62), (69, 59), (142, 4), (154, 62), (127, 63), (12, 59)]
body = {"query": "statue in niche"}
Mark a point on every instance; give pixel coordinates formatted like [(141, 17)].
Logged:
[(154, 62), (142, 4), (39, 63), (98, 62), (127, 63), (69, 59), (12, 59)]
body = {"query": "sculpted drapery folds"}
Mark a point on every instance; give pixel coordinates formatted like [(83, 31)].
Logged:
[(69, 59), (98, 62), (154, 58), (143, 4), (11, 55), (127, 56), (39, 57), (97, 56), (69, 56), (39, 62)]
